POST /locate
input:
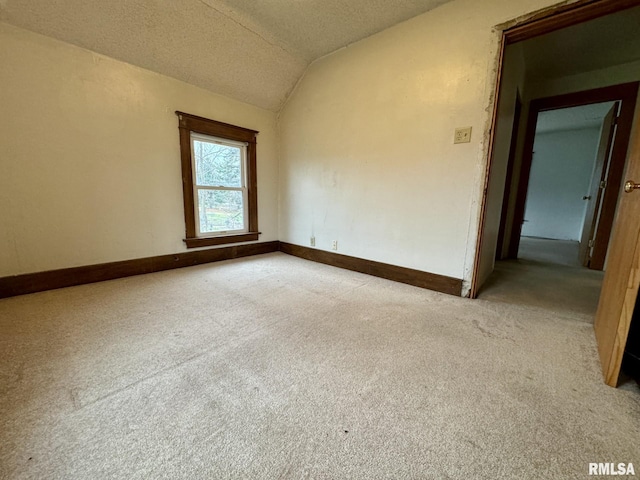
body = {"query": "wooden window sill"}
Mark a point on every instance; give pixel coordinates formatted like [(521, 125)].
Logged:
[(221, 240)]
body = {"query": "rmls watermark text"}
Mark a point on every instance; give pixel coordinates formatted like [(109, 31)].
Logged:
[(611, 469)]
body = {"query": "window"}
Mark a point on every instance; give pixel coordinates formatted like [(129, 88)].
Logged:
[(218, 181)]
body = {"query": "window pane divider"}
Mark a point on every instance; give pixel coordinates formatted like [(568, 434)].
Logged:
[(209, 187)]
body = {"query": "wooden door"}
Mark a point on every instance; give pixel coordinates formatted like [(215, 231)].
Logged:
[(595, 195), (622, 275)]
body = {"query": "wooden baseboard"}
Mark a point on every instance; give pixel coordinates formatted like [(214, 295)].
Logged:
[(67, 277), (418, 278)]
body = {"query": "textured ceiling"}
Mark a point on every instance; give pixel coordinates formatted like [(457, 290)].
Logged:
[(245, 49)]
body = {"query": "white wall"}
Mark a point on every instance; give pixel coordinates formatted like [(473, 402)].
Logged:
[(367, 140), (89, 156), (561, 173)]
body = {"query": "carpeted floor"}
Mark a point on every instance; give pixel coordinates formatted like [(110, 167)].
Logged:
[(272, 367), (546, 275), (550, 251)]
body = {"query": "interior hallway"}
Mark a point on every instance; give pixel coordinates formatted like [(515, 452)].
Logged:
[(547, 275)]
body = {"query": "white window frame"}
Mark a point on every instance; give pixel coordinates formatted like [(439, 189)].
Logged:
[(194, 136)]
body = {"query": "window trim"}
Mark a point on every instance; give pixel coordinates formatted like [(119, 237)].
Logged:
[(188, 123)]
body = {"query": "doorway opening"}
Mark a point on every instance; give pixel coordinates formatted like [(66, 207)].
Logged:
[(579, 142), (550, 185), (565, 168)]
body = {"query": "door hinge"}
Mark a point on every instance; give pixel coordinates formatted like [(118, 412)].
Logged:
[(590, 243), (603, 184)]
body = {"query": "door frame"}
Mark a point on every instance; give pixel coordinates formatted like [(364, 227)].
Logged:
[(515, 133), (625, 93), (538, 23), (595, 195)]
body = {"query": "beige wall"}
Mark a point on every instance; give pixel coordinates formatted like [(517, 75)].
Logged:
[(367, 153), (89, 149), (90, 160)]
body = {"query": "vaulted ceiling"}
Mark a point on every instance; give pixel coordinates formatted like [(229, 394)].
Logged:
[(253, 51)]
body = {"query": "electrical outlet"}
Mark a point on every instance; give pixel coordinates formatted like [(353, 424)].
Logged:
[(334, 245), (312, 241), (462, 135)]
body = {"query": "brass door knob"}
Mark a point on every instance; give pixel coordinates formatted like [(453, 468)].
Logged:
[(630, 186)]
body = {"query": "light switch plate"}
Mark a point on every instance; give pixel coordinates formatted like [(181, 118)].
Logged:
[(462, 135)]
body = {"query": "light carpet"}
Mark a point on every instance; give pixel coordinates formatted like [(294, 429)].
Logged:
[(273, 367)]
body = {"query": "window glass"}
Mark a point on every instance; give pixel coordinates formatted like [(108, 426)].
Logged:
[(220, 210), (217, 165)]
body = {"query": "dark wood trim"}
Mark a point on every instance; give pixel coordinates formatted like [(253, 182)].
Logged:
[(515, 129), (614, 179), (188, 123), (69, 277), (418, 278), (207, 126), (585, 97), (221, 240), (187, 183), (37, 282), (523, 181), (627, 93), (556, 18), (252, 186)]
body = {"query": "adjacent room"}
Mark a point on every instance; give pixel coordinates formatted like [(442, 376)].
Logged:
[(319, 239)]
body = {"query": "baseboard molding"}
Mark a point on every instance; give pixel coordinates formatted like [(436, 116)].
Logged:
[(418, 278), (68, 277)]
